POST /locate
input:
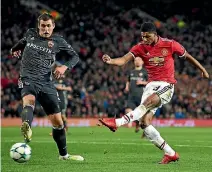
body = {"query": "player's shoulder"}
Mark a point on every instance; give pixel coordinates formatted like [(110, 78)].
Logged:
[(166, 41), (31, 32), (58, 37)]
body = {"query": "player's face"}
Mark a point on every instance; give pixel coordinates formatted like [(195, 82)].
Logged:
[(46, 28), (138, 62), (148, 37)]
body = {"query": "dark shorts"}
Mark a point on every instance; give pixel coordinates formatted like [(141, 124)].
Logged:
[(63, 102), (133, 102), (45, 93)]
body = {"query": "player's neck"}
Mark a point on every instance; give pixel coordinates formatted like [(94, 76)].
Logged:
[(138, 68), (156, 40)]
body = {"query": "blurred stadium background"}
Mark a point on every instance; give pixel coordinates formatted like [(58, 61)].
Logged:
[(95, 27)]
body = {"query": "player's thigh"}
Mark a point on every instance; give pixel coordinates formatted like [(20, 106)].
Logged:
[(161, 89), (49, 100), (28, 92)]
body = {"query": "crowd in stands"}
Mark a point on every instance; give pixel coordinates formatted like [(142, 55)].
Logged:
[(94, 28)]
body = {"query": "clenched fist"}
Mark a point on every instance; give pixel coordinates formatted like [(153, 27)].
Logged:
[(106, 59)]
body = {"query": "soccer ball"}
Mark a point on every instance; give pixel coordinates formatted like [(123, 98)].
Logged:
[(20, 152)]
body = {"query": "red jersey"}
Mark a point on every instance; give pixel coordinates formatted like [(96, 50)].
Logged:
[(158, 58)]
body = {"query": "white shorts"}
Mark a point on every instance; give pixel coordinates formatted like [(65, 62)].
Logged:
[(163, 89)]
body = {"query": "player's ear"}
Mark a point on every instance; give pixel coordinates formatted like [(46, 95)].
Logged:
[(53, 25)]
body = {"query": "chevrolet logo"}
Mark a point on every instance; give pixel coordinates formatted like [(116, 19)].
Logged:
[(156, 60)]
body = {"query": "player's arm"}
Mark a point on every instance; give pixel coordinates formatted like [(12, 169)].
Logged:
[(74, 58), (20, 45), (16, 49), (144, 82), (193, 61), (120, 61), (139, 82), (127, 87), (58, 86), (66, 88), (62, 88), (181, 52)]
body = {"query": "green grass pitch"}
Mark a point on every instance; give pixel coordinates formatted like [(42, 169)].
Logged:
[(104, 151)]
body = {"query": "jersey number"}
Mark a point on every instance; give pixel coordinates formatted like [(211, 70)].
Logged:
[(156, 88)]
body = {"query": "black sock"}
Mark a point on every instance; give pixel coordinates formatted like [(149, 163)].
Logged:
[(59, 136), (27, 114)]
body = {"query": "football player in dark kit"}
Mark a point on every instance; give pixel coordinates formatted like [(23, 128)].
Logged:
[(62, 89), (39, 48), (137, 80)]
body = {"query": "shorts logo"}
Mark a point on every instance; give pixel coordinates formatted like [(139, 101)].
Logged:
[(164, 52), (131, 116), (50, 44)]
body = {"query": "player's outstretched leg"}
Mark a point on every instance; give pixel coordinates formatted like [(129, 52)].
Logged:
[(59, 136), (134, 115), (154, 136), (27, 117)]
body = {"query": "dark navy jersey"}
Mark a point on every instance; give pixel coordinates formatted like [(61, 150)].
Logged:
[(39, 55), (134, 76)]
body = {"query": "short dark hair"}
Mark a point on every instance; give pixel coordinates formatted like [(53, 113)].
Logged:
[(45, 17), (148, 27)]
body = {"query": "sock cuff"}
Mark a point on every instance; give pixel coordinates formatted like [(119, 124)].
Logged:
[(58, 128), (29, 106), (149, 128), (142, 107)]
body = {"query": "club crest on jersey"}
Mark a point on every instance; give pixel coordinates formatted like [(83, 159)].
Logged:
[(164, 52), (140, 74), (50, 44)]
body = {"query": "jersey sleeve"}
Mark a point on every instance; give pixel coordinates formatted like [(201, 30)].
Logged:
[(178, 49), (135, 50), (74, 57), (22, 42)]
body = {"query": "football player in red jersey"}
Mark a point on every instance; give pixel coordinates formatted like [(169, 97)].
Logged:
[(157, 54)]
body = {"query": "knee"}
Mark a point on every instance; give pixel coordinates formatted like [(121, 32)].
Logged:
[(128, 110), (56, 120), (29, 100)]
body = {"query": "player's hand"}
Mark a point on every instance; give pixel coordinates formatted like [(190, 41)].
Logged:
[(59, 71), (16, 53), (205, 74), (106, 59), (126, 90), (69, 88)]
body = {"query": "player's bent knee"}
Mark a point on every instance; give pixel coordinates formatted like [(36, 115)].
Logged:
[(152, 101), (29, 100), (56, 120), (128, 110)]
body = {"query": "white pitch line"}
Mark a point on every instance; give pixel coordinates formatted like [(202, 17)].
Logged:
[(112, 143)]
